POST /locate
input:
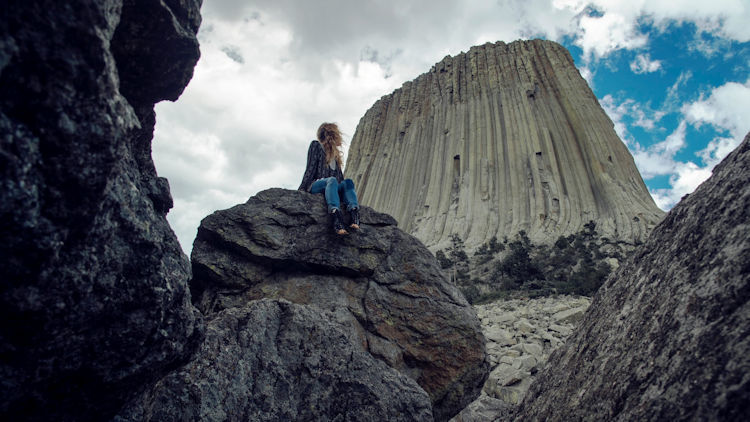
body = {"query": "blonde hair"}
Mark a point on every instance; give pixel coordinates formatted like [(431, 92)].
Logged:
[(330, 137)]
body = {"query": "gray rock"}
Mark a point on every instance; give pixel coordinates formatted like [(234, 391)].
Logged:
[(513, 394), (666, 337), (564, 331), (272, 361), (569, 315), (525, 363), (94, 294), (532, 348), (514, 353), (505, 375), (499, 336), (524, 326), (384, 284), (483, 409), (508, 360), (484, 168)]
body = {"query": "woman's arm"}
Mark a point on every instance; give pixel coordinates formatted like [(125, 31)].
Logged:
[(313, 163)]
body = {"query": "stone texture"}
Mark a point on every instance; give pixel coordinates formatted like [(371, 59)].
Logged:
[(277, 361), (520, 337), (94, 298), (382, 283), (569, 315), (503, 138), (485, 408), (668, 335)]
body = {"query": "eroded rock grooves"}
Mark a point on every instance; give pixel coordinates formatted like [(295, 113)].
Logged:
[(506, 137), (274, 360)]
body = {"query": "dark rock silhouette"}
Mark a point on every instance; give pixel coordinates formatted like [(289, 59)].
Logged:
[(668, 335), (277, 361), (94, 298), (381, 283)]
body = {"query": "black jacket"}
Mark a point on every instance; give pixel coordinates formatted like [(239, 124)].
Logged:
[(317, 167)]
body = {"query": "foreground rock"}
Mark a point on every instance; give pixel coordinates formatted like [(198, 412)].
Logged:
[(666, 337), (380, 282), (277, 361), (94, 298)]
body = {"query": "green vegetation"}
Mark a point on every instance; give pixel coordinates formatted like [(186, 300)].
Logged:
[(574, 264)]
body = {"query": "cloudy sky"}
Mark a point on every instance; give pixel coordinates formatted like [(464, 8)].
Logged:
[(674, 76)]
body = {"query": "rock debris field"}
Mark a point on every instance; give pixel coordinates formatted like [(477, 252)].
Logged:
[(521, 334)]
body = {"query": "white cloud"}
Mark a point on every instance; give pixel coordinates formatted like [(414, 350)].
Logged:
[(600, 35), (671, 102), (604, 26), (686, 177), (717, 149), (658, 159), (639, 115), (643, 64), (272, 70), (727, 108), (616, 113), (587, 75)]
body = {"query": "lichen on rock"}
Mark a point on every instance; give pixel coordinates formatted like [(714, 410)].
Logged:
[(666, 336), (94, 297), (381, 283)]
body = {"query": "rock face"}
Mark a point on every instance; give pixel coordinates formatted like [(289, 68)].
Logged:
[(94, 297), (668, 335), (506, 137), (381, 283), (276, 361)]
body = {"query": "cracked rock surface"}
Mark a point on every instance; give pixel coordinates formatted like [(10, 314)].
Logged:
[(380, 283), (94, 295), (667, 336), (277, 361)]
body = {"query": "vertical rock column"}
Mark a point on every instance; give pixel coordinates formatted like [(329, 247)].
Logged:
[(506, 137)]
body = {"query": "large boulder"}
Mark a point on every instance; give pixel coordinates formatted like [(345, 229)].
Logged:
[(668, 335), (277, 361), (94, 297), (380, 282)]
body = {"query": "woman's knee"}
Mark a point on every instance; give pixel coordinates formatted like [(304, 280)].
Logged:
[(348, 183)]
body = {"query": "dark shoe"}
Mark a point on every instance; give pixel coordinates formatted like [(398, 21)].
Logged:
[(338, 224), (354, 213)]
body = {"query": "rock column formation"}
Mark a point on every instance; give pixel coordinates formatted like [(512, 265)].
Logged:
[(506, 137)]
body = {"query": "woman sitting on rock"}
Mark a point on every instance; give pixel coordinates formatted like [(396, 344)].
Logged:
[(323, 175)]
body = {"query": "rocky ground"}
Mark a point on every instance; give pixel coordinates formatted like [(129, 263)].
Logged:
[(521, 334)]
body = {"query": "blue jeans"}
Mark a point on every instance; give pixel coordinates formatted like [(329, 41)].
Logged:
[(336, 193)]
